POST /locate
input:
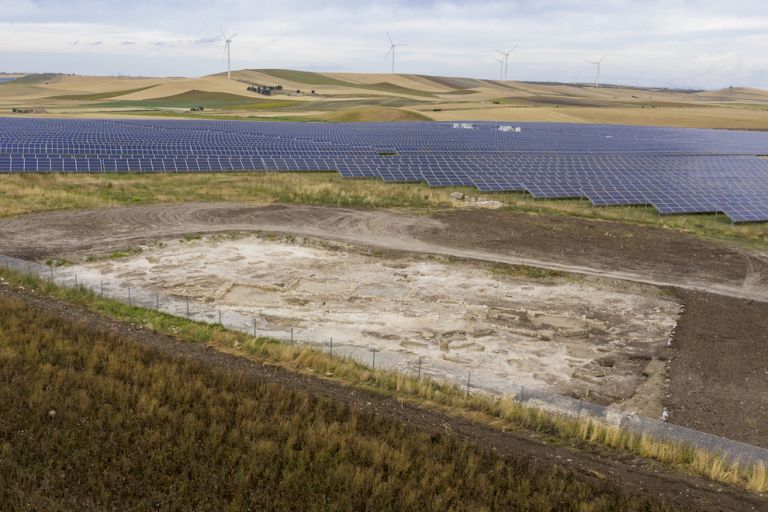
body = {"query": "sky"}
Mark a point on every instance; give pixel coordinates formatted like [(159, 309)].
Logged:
[(672, 43)]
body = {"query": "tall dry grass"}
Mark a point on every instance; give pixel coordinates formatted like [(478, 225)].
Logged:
[(91, 421)]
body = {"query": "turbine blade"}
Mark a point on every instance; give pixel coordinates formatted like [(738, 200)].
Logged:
[(221, 29), (233, 36), (390, 51), (390, 38)]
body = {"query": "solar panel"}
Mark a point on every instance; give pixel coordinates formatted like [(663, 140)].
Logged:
[(675, 170)]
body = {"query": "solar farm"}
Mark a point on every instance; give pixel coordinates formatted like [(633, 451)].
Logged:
[(674, 170)]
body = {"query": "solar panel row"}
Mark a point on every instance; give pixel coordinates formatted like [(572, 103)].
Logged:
[(673, 170)]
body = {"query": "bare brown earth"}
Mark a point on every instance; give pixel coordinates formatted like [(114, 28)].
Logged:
[(721, 343), (606, 470), (719, 371)]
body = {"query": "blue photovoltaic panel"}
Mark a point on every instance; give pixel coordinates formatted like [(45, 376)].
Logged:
[(674, 170)]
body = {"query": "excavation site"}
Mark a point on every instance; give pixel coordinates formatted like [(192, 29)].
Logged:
[(500, 326)]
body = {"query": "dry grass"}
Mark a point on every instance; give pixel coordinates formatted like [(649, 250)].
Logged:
[(37, 192), (502, 412), (92, 421)]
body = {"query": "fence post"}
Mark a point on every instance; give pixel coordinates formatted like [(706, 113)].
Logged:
[(102, 289), (291, 335), (469, 374), (522, 393), (419, 378), (187, 299), (220, 318), (373, 350), (254, 327), (157, 302), (130, 302), (50, 270), (75, 280), (331, 346)]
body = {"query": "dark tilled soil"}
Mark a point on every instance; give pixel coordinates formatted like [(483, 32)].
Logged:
[(609, 245), (633, 475), (719, 370)]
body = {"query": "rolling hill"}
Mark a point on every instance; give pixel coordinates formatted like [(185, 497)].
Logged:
[(343, 97)]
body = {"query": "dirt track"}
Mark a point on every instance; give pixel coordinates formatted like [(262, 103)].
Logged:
[(635, 253), (728, 277), (602, 469)]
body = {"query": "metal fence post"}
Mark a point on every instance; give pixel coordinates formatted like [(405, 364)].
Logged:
[(254, 327), (469, 374), (130, 302), (220, 318), (419, 377), (187, 299), (75, 280), (157, 302), (331, 345), (373, 350), (50, 270), (102, 289), (291, 335)]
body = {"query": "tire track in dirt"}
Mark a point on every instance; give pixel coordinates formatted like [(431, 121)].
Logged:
[(678, 260)]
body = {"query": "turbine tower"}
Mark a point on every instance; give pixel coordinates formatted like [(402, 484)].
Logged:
[(506, 59), (501, 71), (597, 74), (392, 47), (227, 46)]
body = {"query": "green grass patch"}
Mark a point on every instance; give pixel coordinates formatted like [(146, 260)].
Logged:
[(305, 77), (204, 99), (100, 95), (528, 272), (119, 255), (32, 79), (309, 78)]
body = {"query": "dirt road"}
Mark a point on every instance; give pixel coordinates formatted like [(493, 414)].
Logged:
[(598, 468), (635, 253)]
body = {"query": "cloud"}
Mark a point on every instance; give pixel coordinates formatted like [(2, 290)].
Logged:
[(697, 43), (207, 40), (128, 43)]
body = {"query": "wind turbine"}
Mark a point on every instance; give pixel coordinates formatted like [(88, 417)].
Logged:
[(501, 71), (227, 46), (597, 63), (506, 59), (392, 47)]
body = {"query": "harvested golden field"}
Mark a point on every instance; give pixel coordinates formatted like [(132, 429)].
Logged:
[(346, 97)]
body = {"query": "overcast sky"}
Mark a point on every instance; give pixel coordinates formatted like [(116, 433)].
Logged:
[(676, 43)]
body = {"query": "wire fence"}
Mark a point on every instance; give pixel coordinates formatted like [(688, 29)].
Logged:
[(400, 362)]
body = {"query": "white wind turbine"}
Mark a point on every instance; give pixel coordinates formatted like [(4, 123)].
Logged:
[(506, 59), (392, 47), (501, 71), (227, 46), (597, 74)]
